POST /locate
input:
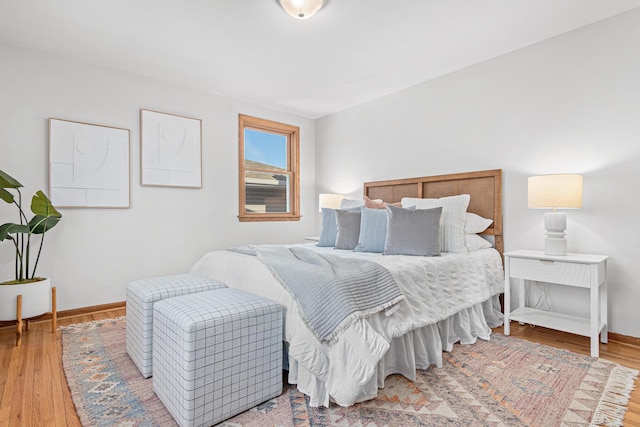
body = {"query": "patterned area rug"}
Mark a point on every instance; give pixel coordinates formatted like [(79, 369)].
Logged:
[(503, 382)]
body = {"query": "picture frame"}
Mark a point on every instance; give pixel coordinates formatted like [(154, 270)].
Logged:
[(170, 150), (89, 165)]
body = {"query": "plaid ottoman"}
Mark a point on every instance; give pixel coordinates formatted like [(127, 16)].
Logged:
[(216, 354), (141, 296)]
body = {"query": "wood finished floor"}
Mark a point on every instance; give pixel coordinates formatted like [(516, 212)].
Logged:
[(34, 390)]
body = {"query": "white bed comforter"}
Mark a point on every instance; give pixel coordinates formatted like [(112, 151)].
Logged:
[(435, 288)]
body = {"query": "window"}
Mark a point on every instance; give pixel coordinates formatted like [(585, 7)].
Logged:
[(269, 170)]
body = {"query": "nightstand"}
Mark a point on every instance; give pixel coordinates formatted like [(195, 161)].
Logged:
[(579, 270)]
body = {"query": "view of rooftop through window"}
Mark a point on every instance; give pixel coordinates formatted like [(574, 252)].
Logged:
[(265, 191), (269, 171)]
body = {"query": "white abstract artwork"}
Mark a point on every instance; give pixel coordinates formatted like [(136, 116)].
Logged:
[(171, 150), (88, 165)]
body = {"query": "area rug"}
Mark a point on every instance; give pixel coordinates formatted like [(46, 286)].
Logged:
[(502, 382)]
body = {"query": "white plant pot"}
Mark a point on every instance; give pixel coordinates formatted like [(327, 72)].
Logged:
[(36, 299)]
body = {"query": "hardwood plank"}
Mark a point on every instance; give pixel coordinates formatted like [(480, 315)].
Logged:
[(42, 397), (43, 378), (48, 393), (28, 372), (7, 342), (53, 343), (16, 386), (5, 360), (58, 385)]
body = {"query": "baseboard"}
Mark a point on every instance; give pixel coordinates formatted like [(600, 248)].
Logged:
[(625, 339), (73, 312)]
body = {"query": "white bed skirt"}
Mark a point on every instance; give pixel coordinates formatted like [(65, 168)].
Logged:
[(418, 349)]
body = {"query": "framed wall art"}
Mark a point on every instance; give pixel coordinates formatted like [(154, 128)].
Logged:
[(171, 150), (88, 165)]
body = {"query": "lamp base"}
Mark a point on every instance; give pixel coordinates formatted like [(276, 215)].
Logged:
[(555, 243), (555, 246)]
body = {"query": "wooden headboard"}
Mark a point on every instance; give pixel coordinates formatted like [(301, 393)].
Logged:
[(484, 187)]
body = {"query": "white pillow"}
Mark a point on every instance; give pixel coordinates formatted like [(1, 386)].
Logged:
[(473, 242), (452, 220), (351, 203), (355, 203), (476, 224)]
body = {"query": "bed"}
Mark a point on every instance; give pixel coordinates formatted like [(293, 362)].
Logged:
[(445, 299)]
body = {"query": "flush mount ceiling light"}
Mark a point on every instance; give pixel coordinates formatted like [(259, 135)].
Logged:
[(302, 9)]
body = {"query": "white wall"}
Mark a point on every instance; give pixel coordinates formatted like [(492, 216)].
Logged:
[(569, 104), (93, 253)]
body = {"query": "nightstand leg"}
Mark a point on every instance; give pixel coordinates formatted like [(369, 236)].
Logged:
[(507, 299), (604, 333), (594, 328)]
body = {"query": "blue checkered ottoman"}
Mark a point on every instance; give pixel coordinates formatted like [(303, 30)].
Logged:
[(216, 354), (141, 296)]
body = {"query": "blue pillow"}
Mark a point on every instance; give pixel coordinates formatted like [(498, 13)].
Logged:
[(329, 227), (373, 230)]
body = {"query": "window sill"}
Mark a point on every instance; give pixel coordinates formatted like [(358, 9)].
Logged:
[(268, 217)]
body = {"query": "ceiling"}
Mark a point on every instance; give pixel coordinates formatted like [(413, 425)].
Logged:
[(350, 52)]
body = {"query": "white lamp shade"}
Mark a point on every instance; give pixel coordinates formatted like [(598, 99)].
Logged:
[(301, 9), (331, 201), (555, 191)]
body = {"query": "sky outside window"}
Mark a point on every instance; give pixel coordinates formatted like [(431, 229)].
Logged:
[(267, 148)]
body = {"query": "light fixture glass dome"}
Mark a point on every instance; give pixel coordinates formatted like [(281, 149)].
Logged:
[(301, 9)]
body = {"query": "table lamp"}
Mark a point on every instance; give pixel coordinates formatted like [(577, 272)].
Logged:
[(561, 191), (331, 201)]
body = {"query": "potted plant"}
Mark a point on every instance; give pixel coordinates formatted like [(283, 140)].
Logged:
[(35, 290)]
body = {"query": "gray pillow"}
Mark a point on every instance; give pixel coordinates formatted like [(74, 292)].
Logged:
[(413, 232), (348, 229)]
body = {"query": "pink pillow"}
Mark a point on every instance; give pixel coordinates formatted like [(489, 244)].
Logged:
[(378, 204)]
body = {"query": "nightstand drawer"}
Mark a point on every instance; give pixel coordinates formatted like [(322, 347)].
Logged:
[(563, 273)]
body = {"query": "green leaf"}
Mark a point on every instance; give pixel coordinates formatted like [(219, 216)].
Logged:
[(6, 181), (6, 196), (9, 228), (41, 205), (40, 224)]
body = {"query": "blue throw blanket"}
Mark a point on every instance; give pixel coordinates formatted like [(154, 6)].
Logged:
[(331, 291)]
